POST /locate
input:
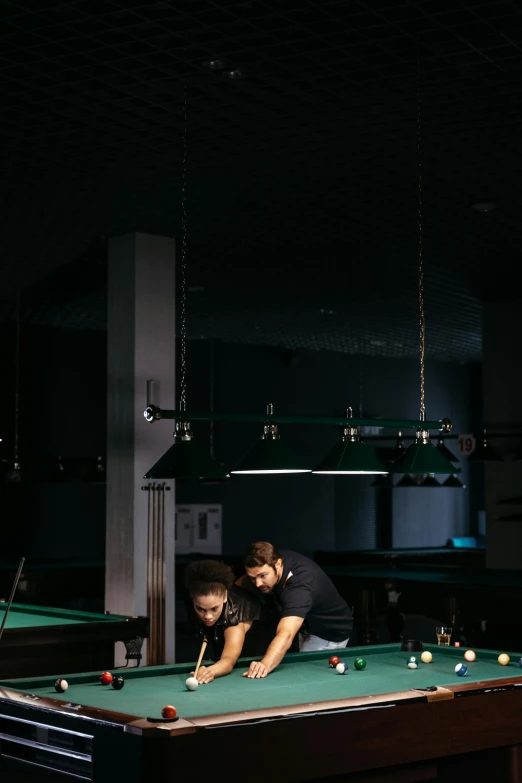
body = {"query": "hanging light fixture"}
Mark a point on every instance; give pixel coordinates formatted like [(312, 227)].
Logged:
[(407, 481), (14, 473), (270, 454), (453, 481), (484, 452), (446, 452), (185, 460), (421, 457), (431, 481), (351, 456)]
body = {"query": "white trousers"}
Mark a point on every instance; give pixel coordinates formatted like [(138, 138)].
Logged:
[(310, 643)]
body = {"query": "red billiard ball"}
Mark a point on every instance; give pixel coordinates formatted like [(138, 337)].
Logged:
[(169, 712), (333, 661), (106, 678), (118, 683)]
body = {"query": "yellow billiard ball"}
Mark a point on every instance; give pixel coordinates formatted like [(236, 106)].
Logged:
[(470, 655), (426, 657), (503, 659)]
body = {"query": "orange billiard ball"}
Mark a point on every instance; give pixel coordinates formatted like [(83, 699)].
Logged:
[(105, 678), (169, 712)]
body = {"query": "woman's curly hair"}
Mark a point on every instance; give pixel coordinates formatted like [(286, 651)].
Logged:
[(205, 577)]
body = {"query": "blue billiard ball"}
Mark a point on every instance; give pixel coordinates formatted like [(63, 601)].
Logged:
[(520, 662), (341, 668), (461, 669)]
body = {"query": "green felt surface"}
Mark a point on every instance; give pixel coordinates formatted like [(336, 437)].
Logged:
[(25, 616), (451, 575), (301, 678)]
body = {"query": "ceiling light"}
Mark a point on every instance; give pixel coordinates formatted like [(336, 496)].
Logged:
[(453, 481), (214, 65), (186, 460), (484, 206), (351, 456), (484, 452), (430, 481), (422, 458), (270, 454)]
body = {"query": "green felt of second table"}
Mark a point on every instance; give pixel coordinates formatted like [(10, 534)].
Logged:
[(28, 616), (302, 678)]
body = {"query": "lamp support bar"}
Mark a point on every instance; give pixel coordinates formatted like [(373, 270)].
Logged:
[(153, 413)]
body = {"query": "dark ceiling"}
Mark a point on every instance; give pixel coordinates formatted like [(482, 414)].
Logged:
[(301, 173)]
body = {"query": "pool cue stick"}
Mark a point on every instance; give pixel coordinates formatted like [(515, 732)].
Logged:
[(13, 591), (201, 654)]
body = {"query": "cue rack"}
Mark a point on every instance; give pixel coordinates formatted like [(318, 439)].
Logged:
[(156, 578)]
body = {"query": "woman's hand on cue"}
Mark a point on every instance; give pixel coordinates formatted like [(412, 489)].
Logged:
[(204, 675)]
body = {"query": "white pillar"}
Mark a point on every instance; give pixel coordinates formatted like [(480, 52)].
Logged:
[(141, 346)]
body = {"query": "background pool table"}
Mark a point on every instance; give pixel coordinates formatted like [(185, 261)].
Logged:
[(303, 722), (40, 640), (482, 605)]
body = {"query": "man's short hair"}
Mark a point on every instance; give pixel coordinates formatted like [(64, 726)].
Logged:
[(261, 553)]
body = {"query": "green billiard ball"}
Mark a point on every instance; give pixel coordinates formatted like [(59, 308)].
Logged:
[(359, 663)]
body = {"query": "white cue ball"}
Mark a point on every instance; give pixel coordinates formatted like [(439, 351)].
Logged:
[(426, 657), (191, 684)]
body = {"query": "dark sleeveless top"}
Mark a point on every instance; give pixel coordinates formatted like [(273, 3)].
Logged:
[(242, 607)]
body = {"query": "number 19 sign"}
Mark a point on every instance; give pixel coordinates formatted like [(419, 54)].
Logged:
[(467, 444)]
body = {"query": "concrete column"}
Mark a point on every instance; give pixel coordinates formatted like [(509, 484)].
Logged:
[(141, 335), (502, 384)]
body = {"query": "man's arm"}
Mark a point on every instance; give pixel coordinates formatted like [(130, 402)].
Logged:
[(279, 646)]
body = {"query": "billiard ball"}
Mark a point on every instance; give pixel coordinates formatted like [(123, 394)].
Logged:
[(105, 678), (191, 684), (412, 664), (359, 664), (333, 661), (118, 683), (503, 659), (461, 669), (426, 657), (341, 668), (169, 712), (60, 686), (520, 663), (470, 655)]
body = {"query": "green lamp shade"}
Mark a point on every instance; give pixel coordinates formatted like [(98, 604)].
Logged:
[(350, 457), (453, 481), (484, 453), (407, 481), (271, 455), (423, 458), (186, 460)]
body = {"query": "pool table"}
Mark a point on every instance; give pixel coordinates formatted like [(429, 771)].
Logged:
[(303, 722), (484, 602), (39, 640)]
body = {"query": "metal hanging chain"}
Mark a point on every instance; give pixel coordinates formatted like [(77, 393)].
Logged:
[(183, 318), (422, 318)]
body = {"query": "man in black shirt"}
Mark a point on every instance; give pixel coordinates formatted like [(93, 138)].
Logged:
[(310, 604)]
